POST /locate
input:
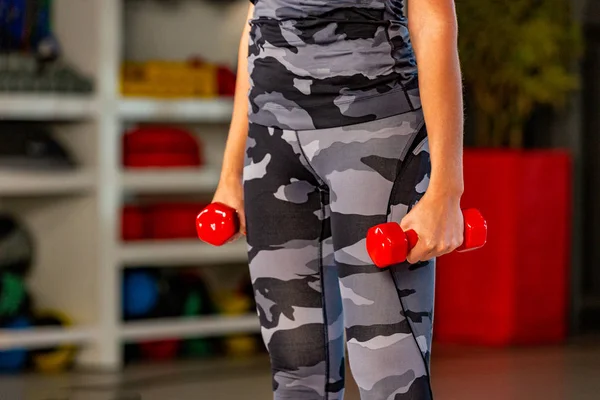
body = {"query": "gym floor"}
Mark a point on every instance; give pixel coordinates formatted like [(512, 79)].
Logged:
[(550, 373)]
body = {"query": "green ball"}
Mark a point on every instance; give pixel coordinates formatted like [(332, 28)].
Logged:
[(193, 305), (199, 347), (12, 294)]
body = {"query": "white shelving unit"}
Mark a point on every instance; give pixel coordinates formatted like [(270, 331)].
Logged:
[(75, 216), (23, 183), (44, 107), (177, 180), (44, 337), (186, 328), (180, 253), (175, 110)]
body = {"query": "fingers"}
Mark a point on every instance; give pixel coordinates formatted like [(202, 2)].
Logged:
[(420, 250), (242, 218), (406, 223), (430, 244), (418, 253), (439, 228), (427, 248), (423, 248)]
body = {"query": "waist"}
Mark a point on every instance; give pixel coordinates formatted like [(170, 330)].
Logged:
[(292, 109), (300, 81)]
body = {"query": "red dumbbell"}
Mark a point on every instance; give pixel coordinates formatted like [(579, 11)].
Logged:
[(217, 224), (388, 244)]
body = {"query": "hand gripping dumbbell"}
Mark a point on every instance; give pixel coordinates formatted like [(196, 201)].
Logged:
[(388, 244), (217, 224)]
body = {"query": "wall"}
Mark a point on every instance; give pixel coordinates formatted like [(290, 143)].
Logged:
[(217, 29)]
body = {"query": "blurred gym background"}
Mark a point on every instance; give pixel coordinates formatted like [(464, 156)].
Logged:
[(113, 119)]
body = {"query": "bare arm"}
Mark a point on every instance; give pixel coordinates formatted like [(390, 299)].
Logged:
[(233, 160), (230, 190), (433, 29), (437, 218)]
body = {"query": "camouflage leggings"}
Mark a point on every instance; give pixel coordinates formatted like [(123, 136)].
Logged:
[(310, 197)]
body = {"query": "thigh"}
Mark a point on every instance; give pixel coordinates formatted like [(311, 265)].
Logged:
[(372, 175), (282, 207), (291, 266)]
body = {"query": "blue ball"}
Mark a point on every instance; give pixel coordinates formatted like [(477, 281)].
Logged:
[(140, 293), (14, 360)]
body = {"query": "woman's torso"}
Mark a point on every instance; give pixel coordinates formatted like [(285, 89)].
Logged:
[(322, 63)]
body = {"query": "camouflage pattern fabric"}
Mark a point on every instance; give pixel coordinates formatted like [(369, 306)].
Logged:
[(311, 196), (317, 64)]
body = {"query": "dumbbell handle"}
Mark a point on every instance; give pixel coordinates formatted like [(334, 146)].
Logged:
[(388, 244)]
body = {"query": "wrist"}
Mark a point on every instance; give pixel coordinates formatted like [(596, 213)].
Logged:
[(231, 171), (229, 179), (447, 189)]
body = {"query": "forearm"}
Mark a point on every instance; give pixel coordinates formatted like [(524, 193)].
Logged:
[(433, 28), (233, 159)]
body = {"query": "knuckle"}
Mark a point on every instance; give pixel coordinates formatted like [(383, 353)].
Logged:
[(415, 257)]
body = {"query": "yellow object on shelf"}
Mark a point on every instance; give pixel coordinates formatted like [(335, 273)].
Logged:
[(169, 79), (233, 303), (240, 346), (56, 359)]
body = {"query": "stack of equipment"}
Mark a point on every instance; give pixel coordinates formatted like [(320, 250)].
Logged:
[(173, 220), (161, 147), (29, 73), (31, 146), (30, 55), (148, 293), (160, 221), (169, 79)]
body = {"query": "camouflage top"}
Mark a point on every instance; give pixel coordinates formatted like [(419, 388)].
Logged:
[(317, 64)]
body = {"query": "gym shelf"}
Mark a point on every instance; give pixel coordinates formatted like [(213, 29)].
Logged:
[(142, 109), (17, 106), (43, 337), (78, 237), (30, 183), (189, 328), (190, 180), (180, 252)]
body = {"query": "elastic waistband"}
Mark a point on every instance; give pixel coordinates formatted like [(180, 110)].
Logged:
[(334, 114)]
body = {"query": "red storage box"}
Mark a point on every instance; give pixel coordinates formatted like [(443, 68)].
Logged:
[(515, 289), (133, 223), (226, 81), (160, 146), (174, 220), (160, 160)]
